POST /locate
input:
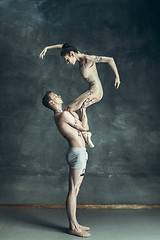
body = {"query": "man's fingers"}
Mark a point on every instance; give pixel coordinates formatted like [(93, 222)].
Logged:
[(42, 54), (85, 103), (117, 84)]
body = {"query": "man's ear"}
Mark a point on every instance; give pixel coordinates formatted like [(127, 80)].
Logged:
[(72, 54), (51, 102)]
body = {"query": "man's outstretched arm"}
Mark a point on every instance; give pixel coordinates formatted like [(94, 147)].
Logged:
[(110, 61), (57, 46)]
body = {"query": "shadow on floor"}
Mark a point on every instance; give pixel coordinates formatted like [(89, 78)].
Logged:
[(31, 217)]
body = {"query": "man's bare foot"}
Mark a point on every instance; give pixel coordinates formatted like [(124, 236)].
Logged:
[(88, 140), (79, 233), (84, 228)]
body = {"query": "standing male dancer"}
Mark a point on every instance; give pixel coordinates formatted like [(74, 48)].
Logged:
[(71, 127)]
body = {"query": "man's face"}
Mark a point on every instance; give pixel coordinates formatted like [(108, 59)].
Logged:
[(70, 58), (56, 98)]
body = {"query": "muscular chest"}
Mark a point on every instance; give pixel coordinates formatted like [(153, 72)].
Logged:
[(84, 71)]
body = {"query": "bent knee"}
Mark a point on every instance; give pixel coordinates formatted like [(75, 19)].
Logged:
[(96, 95), (101, 96)]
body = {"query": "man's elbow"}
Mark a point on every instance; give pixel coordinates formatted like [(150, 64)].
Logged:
[(86, 128), (110, 59)]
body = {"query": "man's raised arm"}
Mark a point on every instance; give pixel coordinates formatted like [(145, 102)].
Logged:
[(57, 46), (84, 118), (81, 125), (110, 61)]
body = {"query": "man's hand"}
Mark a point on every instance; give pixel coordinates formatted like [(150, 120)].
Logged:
[(42, 54), (117, 82), (83, 107)]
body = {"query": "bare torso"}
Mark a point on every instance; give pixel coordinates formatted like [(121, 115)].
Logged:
[(89, 72), (72, 135)]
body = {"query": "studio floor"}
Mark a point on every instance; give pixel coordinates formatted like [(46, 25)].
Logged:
[(38, 224)]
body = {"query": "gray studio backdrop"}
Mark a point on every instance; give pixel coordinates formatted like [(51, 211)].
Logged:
[(124, 166)]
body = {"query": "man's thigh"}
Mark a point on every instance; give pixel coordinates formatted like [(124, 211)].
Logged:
[(76, 176)]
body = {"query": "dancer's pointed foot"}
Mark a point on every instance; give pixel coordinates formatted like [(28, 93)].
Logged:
[(84, 228), (89, 141), (79, 233)]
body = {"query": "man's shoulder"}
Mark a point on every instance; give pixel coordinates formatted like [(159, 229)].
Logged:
[(65, 115)]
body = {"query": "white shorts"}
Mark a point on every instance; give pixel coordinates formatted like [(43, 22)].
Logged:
[(77, 157)]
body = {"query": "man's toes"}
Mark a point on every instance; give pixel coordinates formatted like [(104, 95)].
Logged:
[(79, 233), (84, 228)]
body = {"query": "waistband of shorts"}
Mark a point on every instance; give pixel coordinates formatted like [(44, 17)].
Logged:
[(78, 148)]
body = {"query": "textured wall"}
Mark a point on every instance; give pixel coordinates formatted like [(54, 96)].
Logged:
[(124, 166)]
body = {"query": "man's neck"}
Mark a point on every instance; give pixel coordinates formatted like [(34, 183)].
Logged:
[(79, 56), (58, 110)]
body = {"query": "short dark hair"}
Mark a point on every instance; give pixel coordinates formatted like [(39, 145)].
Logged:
[(66, 49), (46, 99)]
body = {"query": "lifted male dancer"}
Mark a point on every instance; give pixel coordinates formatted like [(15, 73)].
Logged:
[(88, 70), (71, 128)]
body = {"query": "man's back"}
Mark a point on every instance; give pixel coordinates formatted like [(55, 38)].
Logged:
[(70, 128)]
